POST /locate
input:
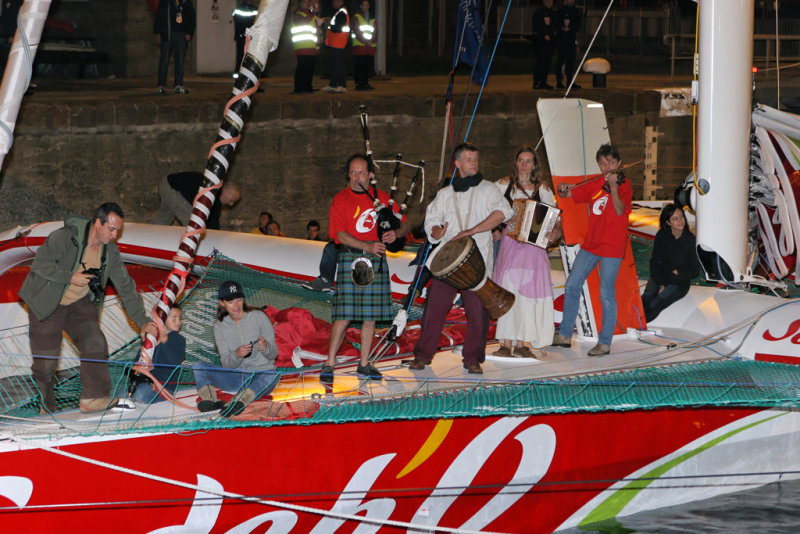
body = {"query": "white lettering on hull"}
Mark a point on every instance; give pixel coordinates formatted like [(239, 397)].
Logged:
[(538, 447)]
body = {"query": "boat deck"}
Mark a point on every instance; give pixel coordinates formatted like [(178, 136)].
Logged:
[(445, 374)]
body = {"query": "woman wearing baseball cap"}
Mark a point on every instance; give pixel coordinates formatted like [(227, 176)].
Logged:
[(246, 345)]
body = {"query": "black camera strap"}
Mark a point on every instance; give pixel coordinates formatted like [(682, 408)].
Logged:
[(85, 244)]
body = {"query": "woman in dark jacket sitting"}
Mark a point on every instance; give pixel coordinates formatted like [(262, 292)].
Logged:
[(672, 265)]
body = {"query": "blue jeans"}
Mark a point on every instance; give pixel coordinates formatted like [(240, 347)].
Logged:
[(146, 394), (329, 261), (584, 265), (655, 302), (232, 380)]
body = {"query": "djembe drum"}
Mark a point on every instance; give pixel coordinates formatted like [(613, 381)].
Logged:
[(459, 264)]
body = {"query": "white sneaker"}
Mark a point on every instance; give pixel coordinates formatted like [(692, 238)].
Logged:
[(319, 283), (340, 89), (329, 89), (127, 404)]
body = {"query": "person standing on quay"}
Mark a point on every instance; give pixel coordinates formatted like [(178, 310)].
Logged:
[(544, 34), (365, 39), (243, 17), (336, 37), (174, 27), (306, 42), (569, 22)]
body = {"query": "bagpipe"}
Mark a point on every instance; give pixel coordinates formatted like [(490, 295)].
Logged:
[(387, 219)]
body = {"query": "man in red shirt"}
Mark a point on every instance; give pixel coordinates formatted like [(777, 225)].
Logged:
[(610, 204), (363, 291)]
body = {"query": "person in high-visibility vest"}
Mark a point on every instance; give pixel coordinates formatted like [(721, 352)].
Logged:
[(243, 17), (336, 36), (306, 42), (364, 38)]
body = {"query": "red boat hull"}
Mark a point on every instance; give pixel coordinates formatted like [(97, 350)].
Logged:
[(508, 474)]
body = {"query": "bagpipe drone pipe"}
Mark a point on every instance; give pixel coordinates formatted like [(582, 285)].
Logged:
[(387, 219)]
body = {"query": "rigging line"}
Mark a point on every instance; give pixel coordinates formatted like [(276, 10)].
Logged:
[(788, 66), (457, 55), (413, 288), (469, 81), (583, 139), (254, 500), (448, 491), (758, 317), (449, 93), (588, 49), (489, 66), (483, 84), (777, 56)]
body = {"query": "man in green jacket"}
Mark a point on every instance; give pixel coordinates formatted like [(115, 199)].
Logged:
[(64, 291)]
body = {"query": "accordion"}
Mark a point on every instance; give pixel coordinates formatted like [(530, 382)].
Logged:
[(531, 222)]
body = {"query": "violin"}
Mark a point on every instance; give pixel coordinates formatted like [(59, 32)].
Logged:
[(564, 188), (620, 180)]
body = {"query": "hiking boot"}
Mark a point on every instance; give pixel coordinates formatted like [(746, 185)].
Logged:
[(98, 404), (210, 406), (503, 351), (370, 371), (326, 374), (319, 283), (526, 352), (474, 369), (181, 90), (560, 341), (232, 408), (601, 349)]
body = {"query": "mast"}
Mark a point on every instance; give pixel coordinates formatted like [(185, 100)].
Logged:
[(723, 137), (19, 68), (262, 38)]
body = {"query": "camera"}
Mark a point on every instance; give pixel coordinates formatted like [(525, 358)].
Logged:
[(95, 283)]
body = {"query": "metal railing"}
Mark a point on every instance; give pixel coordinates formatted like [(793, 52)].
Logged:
[(673, 41)]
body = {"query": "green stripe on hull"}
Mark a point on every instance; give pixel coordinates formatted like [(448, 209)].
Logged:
[(614, 504)]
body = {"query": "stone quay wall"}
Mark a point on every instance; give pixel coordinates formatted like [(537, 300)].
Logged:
[(70, 156)]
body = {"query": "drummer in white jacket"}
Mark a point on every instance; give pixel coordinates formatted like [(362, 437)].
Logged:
[(471, 206), (245, 342)]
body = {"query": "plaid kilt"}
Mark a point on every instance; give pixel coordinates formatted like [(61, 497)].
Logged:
[(354, 303)]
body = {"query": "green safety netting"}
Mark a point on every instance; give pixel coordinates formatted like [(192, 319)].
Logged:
[(705, 384), (19, 395), (708, 384)]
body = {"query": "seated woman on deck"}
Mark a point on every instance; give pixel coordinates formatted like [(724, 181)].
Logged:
[(672, 265), (245, 341)]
